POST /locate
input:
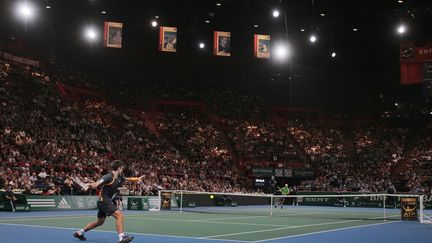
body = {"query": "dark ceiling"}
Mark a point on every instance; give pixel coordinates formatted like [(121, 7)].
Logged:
[(373, 48)]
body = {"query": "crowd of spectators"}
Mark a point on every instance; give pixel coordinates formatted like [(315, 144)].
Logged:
[(58, 139), (416, 173), (47, 140)]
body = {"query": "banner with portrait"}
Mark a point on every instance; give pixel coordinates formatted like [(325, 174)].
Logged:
[(222, 43), (262, 46), (113, 34), (168, 39)]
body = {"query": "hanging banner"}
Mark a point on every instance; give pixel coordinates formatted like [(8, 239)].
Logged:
[(168, 39), (427, 79), (222, 43), (411, 73), (409, 53), (113, 34), (262, 46)]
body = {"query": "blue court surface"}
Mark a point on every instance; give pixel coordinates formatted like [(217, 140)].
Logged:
[(297, 226)]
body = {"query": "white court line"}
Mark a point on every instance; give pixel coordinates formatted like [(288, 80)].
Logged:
[(276, 229), (227, 218), (69, 216), (262, 216), (113, 232), (324, 231), (208, 222), (146, 218)]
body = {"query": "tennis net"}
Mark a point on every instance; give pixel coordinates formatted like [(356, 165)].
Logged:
[(324, 206)]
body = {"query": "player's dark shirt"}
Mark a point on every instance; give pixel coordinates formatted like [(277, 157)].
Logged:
[(9, 194), (110, 186)]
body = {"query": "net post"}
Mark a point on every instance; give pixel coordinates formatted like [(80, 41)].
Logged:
[(421, 217), (159, 199), (384, 205), (271, 205), (181, 201)]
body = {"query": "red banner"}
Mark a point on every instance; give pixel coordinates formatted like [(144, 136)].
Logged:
[(412, 73), (409, 53)]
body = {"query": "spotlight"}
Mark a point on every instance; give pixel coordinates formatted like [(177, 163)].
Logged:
[(47, 6), (276, 13), (256, 26), (218, 4), (333, 55), (90, 33), (355, 29), (154, 23), (281, 51), (322, 14), (103, 12), (401, 29), (312, 38), (302, 30), (25, 10), (207, 21), (157, 16), (201, 45)]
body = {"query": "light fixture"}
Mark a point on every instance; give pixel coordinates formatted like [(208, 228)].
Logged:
[(312, 38), (25, 10), (90, 33), (333, 55), (207, 21), (281, 51), (401, 29), (302, 30), (201, 45), (104, 12), (276, 13), (154, 23), (256, 26), (355, 29)]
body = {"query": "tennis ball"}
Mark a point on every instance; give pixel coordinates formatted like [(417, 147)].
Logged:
[(211, 196)]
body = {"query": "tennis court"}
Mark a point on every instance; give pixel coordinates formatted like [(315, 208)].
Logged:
[(240, 224)]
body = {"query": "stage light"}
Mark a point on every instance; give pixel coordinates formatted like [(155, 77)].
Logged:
[(207, 21), (333, 55), (401, 29), (276, 13), (157, 16), (103, 12), (154, 23), (90, 34), (302, 30), (201, 45), (322, 14), (48, 7), (281, 51), (256, 26), (25, 10), (355, 29), (312, 38), (218, 4)]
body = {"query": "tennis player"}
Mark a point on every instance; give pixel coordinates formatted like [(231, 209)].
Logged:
[(109, 185), (284, 191)]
